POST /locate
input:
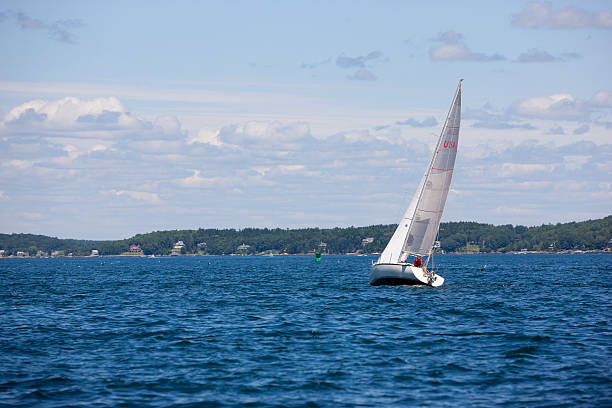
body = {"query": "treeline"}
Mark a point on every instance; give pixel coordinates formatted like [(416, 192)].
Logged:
[(454, 237), (585, 235)]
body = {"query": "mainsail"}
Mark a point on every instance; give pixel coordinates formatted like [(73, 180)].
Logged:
[(417, 230)]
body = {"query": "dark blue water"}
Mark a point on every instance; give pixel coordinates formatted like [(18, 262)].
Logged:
[(531, 330)]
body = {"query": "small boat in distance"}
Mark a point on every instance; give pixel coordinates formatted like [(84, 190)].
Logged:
[(416, 233)]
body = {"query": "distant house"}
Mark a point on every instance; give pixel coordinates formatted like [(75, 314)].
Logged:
[(135, 248), (42, 254), (22, 253), (2, 252), (95, 252), (202, 246), (177, 249), (57, 253), (243, 248), (367, 241)]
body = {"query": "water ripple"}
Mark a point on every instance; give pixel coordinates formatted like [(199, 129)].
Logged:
[(533, 330)]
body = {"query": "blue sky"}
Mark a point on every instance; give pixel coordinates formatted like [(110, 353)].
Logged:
[(119, 118)]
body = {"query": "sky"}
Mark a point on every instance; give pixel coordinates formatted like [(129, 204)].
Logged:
[(118, 118)]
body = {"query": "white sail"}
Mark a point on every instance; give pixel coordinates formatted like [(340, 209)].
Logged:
[(417, 230), (393, 250)]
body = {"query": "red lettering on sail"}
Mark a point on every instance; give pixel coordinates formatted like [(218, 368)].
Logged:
[(449, 144)]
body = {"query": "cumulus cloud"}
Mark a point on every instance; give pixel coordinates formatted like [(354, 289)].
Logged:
[(427, 122), (533, 175), (69, 112), (535, 55), (487, 118), (94, 118), (501, 125), (602, 99), (539, 14), (59, 30), (453, 48), (274, 134), (206, 136), (522, 169), (558, 106), (280, 170), (562, 106)]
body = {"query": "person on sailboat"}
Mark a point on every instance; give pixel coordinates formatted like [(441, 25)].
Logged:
[(417, 261)]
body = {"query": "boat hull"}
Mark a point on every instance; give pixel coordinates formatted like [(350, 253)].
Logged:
[(402, 274)]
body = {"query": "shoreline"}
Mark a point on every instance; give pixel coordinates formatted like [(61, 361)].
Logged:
[(566, 252)]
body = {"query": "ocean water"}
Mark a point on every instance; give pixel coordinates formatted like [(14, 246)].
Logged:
[(529, 330)]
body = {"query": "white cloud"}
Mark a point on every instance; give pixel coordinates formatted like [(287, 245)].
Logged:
[(94, 119), (602, 98), (487, 118), (195, 180), (558, 106), (575, 162), (71, 113), (522, 169), (427, 122), (279, 165), (72, 154), (135, 195), (540, 14), (272, 134), (20, 164), (206, 136), (454, 49), (99, 148)]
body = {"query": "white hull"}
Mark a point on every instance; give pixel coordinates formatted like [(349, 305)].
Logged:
[(402, 274)]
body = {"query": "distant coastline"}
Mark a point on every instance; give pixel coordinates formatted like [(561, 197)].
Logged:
[(576, 252), (455, 237)]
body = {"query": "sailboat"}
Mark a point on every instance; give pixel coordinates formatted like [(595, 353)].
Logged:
[(415, 237)]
